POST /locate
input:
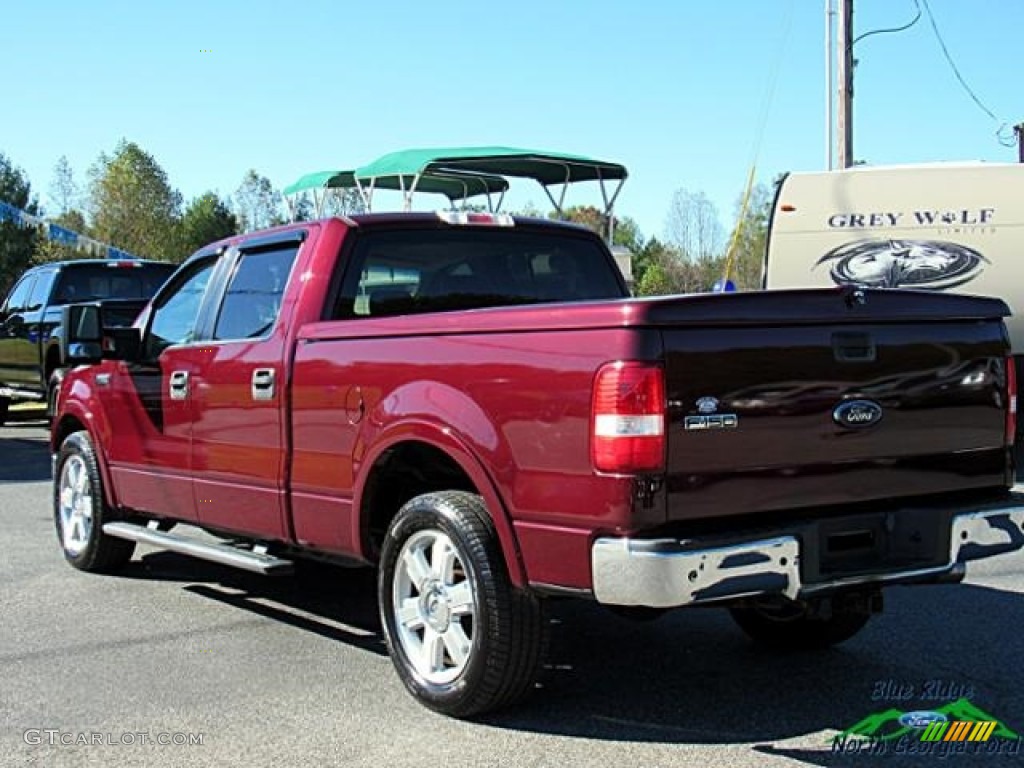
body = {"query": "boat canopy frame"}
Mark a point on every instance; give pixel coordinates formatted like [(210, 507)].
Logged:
[(461, 173), (456, 186)]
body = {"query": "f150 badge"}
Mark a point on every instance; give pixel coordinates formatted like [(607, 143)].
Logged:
[(709, 418)]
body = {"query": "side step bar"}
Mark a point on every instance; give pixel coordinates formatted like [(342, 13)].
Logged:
[(225, 554)]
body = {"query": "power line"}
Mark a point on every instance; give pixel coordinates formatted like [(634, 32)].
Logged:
[(905, 27), (1000, 132)]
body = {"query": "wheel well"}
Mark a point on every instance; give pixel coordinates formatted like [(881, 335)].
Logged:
[(52, 363), (67, 425), (401, 473)]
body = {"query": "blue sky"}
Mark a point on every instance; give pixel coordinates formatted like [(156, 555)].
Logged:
[(674, 89)]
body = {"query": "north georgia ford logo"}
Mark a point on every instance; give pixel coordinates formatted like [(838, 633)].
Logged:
[(921, 719), (857, 414), (928, 264)]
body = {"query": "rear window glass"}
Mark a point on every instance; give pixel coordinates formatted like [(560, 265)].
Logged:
[(435, 270), (99, 281)]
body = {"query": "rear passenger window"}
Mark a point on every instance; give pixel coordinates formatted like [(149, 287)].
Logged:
[(253, 298), (436, 270)]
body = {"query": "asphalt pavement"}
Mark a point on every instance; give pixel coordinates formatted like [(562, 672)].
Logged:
[(237, 669)]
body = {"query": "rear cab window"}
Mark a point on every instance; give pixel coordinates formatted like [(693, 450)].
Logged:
[(409, 271), (110, 280)]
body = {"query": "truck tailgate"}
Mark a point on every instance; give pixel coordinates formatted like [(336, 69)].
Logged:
[(801, 400)]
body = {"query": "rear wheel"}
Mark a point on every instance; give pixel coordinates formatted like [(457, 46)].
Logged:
[(463, 640), (784, 624), (5, 404), (79, 510)]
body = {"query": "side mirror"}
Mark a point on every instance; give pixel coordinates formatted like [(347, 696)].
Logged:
[(82, 340), (86, 341)]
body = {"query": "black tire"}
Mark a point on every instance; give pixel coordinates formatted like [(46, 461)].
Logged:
[(5, 404), (52, 389), (502, 642), (79, 510), (786, 625)]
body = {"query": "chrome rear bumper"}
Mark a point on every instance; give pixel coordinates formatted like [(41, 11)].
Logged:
[(666, 573)]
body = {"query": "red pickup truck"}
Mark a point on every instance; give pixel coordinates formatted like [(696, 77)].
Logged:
[(474, 405)]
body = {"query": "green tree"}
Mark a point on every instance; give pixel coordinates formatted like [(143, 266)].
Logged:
[(301, 208), (750, 238), (652, 252), (17, 244), (64, 191), (132, 205), (626, 234), (693, 226), (73, 220), (587, 215), (656, 281), (206, 219), (662, 269), (344, 202), (257, 203), (51, 250)]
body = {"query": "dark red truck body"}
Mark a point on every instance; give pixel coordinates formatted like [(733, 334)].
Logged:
[(783, 444)]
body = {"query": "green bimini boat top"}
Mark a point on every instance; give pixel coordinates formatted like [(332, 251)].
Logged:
[(547, 168), (453, 184)]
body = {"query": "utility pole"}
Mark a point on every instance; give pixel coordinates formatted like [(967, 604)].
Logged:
[(845, 121), (830, 84), (1019, 130)]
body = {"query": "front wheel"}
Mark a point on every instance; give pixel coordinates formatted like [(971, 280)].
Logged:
[(787, 625), (79, 510), (463, 640), (5, 404)]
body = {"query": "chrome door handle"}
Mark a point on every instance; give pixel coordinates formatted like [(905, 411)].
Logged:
[(178, 386), (263, 384)]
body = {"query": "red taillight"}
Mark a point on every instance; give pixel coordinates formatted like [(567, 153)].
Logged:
[(1011, 400), (628, 427)]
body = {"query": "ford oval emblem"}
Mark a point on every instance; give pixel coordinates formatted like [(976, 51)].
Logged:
[(921, 719), (857, 414)]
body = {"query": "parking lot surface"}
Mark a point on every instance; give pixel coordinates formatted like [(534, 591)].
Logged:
[(292, 671)]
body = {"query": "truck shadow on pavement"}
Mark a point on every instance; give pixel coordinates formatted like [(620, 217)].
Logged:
[(692, 677), (689, 677), (336, 603), (25, 452)]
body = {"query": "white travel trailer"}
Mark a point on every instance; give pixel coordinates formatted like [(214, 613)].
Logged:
[(943, 227)]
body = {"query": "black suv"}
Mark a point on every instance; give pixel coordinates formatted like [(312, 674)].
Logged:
[(30, 317)]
